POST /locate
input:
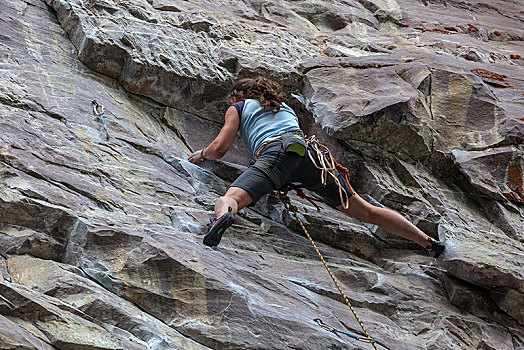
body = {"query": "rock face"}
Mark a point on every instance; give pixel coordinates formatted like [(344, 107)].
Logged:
[(100, 239)]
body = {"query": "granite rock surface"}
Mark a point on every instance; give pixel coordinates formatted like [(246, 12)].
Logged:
[(101, 237)]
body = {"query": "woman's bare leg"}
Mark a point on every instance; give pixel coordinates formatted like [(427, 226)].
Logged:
[(387, 219), (236, 198)]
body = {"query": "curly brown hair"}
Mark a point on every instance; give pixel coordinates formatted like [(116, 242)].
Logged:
[(266, 91)]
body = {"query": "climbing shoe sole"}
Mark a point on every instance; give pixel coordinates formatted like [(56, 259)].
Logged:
[(438, 248), (213, 237), (435, 248)]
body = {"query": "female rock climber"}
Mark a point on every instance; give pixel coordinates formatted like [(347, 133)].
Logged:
[(265, 122)]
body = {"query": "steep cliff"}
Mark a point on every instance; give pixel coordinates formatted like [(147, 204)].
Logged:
[(100, 238)]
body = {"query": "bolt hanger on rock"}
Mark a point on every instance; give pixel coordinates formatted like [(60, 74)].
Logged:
[(100, 115)]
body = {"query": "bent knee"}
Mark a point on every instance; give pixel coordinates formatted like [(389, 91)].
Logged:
[(239, 195)]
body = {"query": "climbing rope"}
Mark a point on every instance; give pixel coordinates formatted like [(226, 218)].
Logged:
[(282, 194), (329, 166), (100, 115)]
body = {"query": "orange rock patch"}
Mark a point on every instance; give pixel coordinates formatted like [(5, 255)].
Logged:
[(472, 28), (438, 30), (492, 78), (515, 182)]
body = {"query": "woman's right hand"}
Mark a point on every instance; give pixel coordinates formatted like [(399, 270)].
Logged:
[(196, 157)]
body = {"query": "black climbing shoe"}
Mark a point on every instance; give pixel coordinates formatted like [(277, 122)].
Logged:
[(213, 237), (435, 248)]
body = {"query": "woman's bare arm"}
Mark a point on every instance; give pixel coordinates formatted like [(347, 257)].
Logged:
[(222, 143)]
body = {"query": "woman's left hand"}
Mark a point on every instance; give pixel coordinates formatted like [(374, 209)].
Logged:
[(196, 157)]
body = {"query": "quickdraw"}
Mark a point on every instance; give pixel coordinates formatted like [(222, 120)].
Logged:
[(336, 331), (100, 116)]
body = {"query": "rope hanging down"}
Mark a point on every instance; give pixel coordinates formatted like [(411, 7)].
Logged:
[(282, 194)]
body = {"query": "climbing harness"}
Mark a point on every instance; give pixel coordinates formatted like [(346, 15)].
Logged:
[(336, 331), (329, 166), (100, 115), (282, 195)]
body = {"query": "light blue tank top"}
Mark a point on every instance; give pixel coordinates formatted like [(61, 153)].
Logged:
[(257, 124)]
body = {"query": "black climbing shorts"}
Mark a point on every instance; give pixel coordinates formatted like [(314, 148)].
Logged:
[(293, 169)]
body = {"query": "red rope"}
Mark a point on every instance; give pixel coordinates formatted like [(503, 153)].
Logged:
[(344, 171), (301, 194)]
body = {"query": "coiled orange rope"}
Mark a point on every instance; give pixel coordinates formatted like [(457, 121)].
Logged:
[(328, 165)]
